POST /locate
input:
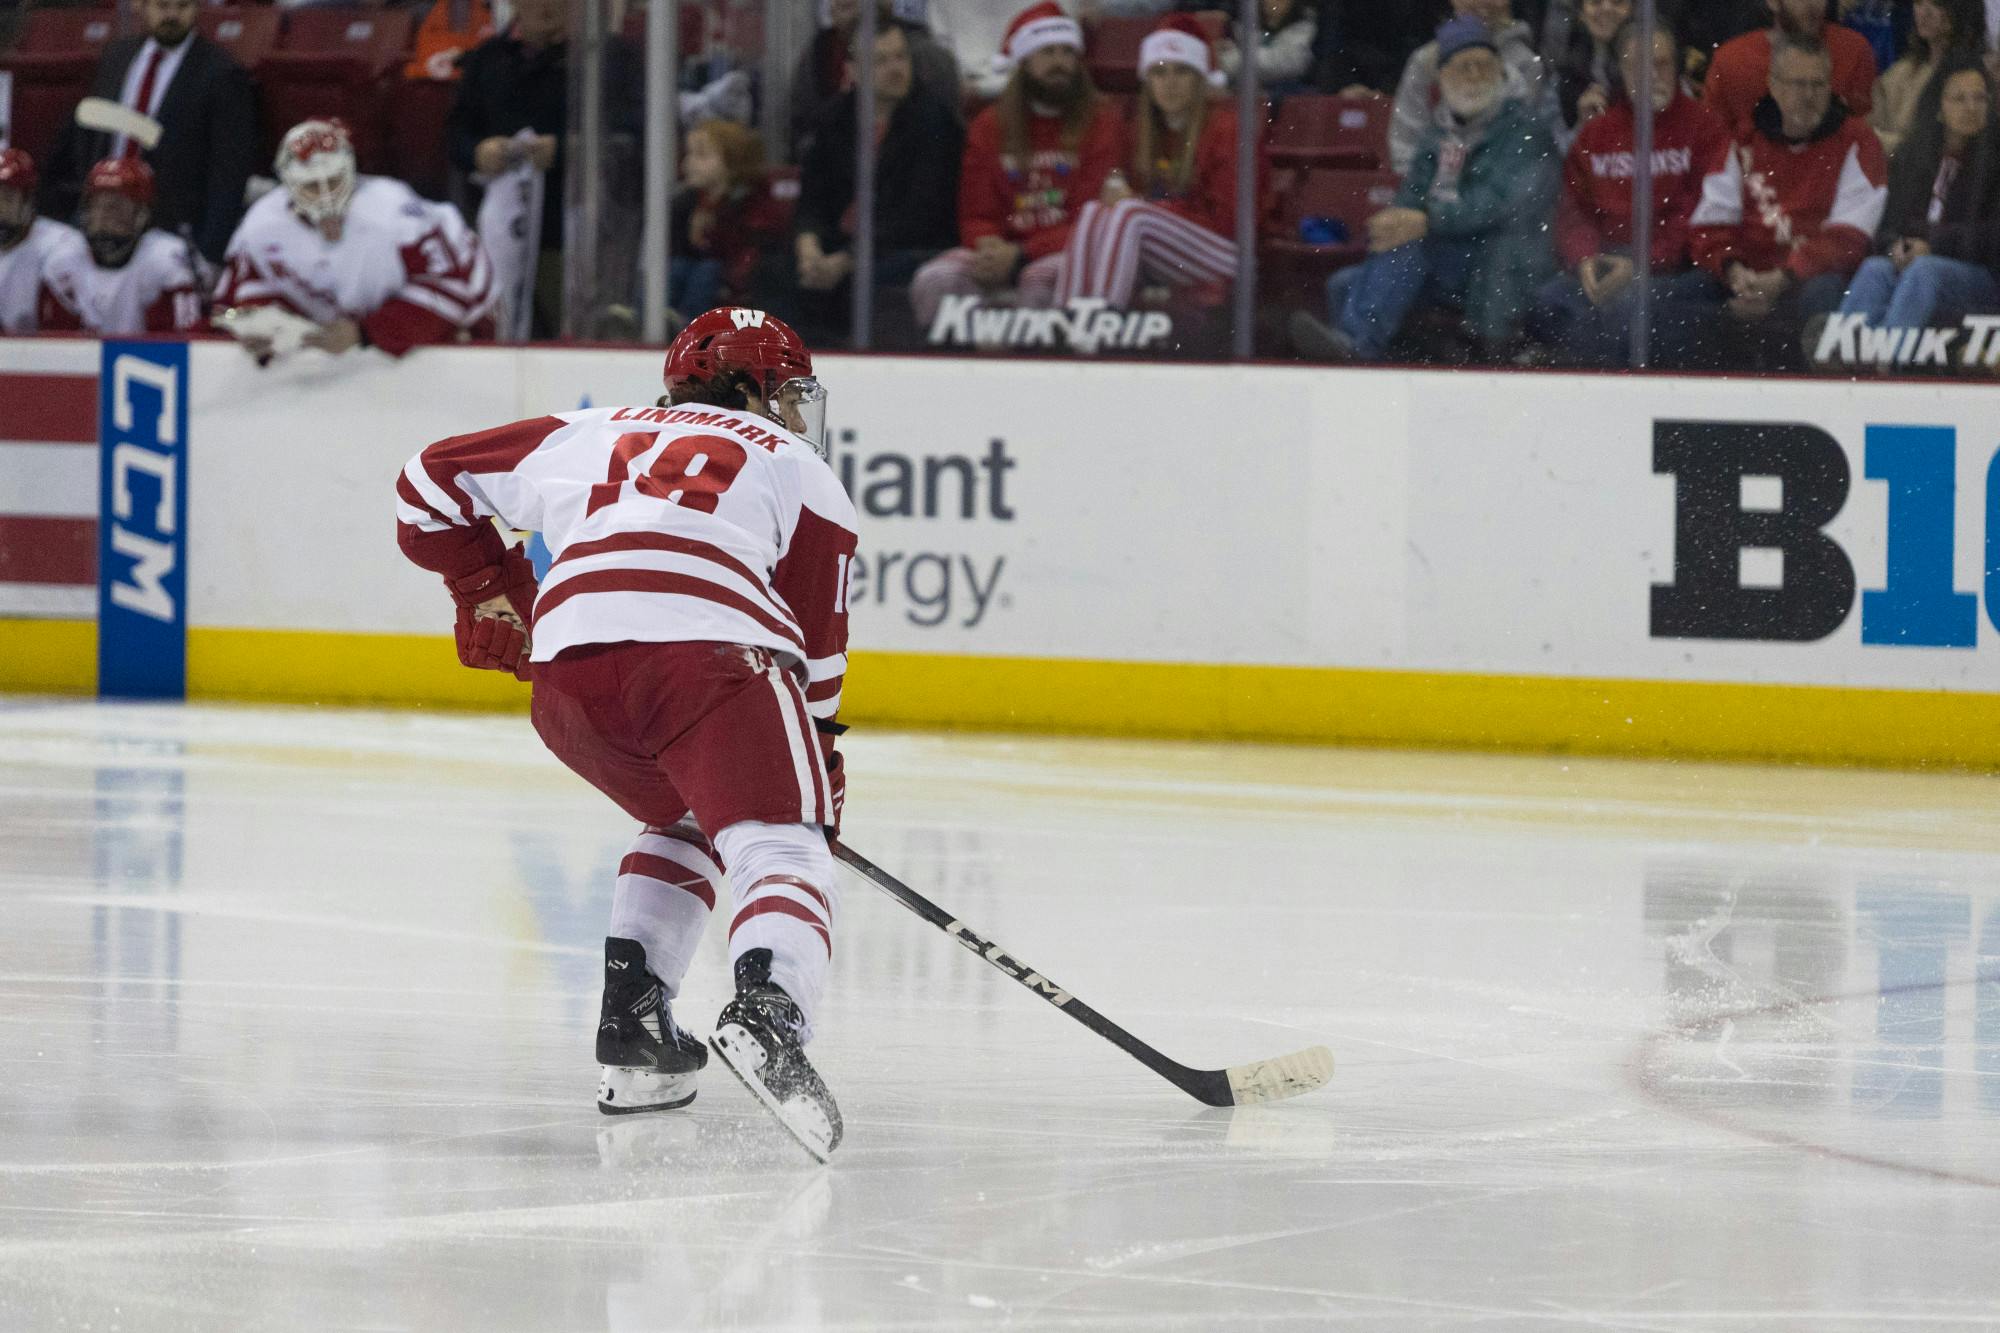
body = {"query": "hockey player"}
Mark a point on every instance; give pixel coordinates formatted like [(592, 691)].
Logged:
[(688, 648), (25, 244), (364, 258), (120, 276)]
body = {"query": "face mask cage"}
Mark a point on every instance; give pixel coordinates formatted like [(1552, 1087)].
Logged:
[(321, 186), (805, 397)]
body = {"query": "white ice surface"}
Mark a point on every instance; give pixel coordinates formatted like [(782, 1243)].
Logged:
[(296, 1012)]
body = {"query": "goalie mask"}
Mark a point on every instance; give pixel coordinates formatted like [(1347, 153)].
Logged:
[(117, 208), (316, 166), (762, 348)]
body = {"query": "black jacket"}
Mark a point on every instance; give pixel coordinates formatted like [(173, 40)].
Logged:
[(207, 148), (1369, 41), (1971, 226), (916, 177), (1913, 179), (505, 88)]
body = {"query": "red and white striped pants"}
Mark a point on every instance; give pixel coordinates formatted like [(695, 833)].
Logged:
[(1112, 244), (950, 274)]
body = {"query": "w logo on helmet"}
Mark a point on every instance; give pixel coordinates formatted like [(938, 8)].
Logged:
[(747, 319)]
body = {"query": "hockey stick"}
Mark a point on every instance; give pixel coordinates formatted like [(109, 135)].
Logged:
[(109, 117), (1240, 1085)]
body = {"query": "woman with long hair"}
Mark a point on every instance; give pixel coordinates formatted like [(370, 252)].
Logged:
[(1939, 30), (1932, 187), (1173, 218), (1586, 69)]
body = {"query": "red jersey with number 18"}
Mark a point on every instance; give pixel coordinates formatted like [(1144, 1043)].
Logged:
[(667, 524)]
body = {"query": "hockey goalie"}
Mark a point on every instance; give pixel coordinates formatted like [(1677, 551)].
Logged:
[(336, 260)]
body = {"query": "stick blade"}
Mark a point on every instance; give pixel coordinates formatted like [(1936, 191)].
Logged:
[(1285, 1076), (103, 114)]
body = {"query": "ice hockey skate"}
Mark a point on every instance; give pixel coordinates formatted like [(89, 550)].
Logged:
[(649, 1063), (757, 1036)]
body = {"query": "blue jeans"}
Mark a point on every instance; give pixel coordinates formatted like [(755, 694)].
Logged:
[(694, 285), (1369, 301), (1594, 335), (1931, 286)]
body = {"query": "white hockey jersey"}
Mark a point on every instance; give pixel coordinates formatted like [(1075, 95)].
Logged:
[(667, 524), (155, 291), (22, 271), (407, 270)]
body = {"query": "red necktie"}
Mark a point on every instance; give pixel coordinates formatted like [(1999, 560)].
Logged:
[(145, 95)]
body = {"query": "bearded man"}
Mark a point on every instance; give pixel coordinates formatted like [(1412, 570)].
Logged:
[(1470, 226), (1032, 160)]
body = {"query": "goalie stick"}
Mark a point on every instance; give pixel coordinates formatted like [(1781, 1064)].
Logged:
[(1240, 1085)]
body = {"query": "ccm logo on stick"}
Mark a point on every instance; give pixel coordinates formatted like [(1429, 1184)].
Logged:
[(1758, 486), (142, 566), (993, 954)]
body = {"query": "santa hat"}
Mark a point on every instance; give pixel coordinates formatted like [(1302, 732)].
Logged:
[(1180, 40), (1034, 28)]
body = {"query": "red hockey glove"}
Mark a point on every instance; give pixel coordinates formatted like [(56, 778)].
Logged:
[(492, 643), (836, 791), (513, 578)]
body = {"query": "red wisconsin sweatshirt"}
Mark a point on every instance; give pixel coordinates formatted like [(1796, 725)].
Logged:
[(1690, 145), (1809, 207)]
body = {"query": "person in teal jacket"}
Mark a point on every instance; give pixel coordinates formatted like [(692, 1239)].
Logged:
[(1471, 226)]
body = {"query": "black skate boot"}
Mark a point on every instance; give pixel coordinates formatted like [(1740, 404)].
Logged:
[(757, 1036), (649, 1063)]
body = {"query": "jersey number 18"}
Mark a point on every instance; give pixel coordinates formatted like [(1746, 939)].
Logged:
[(692, 472)]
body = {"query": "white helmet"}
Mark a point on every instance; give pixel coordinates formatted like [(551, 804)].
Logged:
[(316, 164)]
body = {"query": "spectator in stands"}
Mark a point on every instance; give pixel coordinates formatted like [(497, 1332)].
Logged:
[(1528, 80), (1363, 46), (208, 127), (919, 144), (1940, 30), (26, 242), (1173, 220), (1587, 313), (122, 276), (1031, 161), (1706, 25), (1796, 213), (823, 70), (1739, 76), (516, 81), (449, 31), (1469, 226), (1587, 69), (1932, 191), (365, 259), (723, 218), (1286, 30)]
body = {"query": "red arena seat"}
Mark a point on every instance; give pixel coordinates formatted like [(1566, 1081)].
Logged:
[(52, 65), (1332, 131), (1294, 268), (335, 62), (1111, 52), (247, 32)]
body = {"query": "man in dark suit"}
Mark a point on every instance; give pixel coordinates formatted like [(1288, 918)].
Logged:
[(208, 127)]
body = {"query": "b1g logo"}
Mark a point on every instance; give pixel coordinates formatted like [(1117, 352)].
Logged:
[(1742, 487)]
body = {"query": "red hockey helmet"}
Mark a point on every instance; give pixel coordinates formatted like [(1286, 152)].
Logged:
[(18, 170), (736, 340), (122, 175)]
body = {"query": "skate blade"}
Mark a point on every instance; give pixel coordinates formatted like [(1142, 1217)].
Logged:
[(804, 1121), (635, 1091)]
